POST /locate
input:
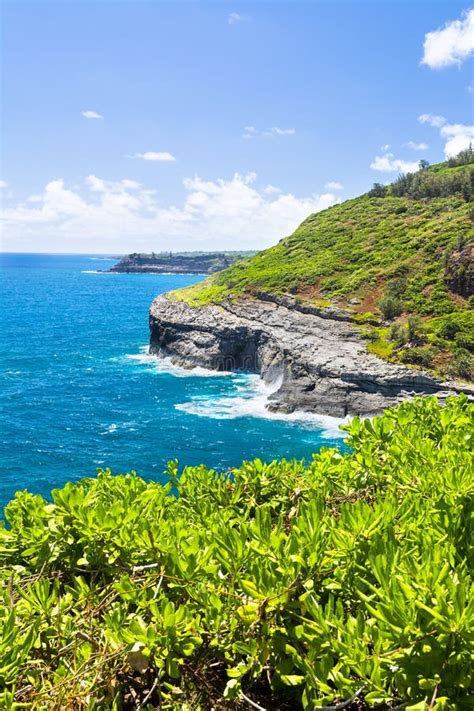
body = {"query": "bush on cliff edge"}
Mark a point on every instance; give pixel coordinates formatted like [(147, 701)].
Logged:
[(293, 586)]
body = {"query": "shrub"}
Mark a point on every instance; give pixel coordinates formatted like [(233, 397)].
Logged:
[(465, 341), (415, 329), (462, 364), (390, 307), (398, 334), (293, 586), (372, 335), (449, 329), (418, 355)]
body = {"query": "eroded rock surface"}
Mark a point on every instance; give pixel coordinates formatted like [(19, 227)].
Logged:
[(320, 364)]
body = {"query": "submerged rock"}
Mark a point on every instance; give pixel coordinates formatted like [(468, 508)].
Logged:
[(318, 363)]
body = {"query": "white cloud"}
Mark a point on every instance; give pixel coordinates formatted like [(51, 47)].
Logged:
[(432, 120), (3, 184), (389, 164), (252, 132), (334, 185), (103, 186), (126, 216), (234, 17), (416, 146), (282, 131), (155, 155), (451, 44), (458, 136), (91, 115), (470, 87), (271, 190), (386, 147)]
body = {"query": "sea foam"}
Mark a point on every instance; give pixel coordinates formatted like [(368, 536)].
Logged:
[(250, 399), (164, 365)]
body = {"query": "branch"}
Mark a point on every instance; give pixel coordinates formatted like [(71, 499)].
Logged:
[(343, 704), (252, 703)]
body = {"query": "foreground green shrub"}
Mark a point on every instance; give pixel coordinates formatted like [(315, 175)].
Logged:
[(293, 586)]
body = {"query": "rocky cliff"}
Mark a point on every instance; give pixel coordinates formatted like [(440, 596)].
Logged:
[(317, 360)]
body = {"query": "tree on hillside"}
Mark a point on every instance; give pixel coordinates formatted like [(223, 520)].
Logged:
[(378, 190)]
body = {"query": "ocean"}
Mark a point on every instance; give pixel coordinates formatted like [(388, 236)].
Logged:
[(79, 390)]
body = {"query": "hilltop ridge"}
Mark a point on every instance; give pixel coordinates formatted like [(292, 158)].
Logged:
[(398, 261)]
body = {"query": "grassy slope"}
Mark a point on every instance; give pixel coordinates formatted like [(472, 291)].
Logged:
[(354, 252)]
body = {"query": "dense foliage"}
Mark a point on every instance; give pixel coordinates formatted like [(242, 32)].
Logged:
[(405, 249), (293, 586), (435, 181)]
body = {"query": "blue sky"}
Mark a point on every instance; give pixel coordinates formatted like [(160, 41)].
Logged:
[(219, 124)]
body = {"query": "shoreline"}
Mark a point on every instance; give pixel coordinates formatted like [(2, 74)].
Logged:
[(322, 362)]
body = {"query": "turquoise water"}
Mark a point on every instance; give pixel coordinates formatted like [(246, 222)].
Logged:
[(80, 392)]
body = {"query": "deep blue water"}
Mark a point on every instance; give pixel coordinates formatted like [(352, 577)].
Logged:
[(79, 391)]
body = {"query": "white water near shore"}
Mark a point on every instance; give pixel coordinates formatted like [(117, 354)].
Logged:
[(163, 365), (248, 398)]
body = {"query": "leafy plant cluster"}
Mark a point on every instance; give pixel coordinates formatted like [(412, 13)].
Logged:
[(277, 586)]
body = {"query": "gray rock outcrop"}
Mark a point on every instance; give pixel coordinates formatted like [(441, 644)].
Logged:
[(318, 363)]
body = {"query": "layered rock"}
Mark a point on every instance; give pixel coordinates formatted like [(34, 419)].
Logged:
[(317, 361)]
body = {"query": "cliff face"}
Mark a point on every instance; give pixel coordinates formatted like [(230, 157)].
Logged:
[(317, 363)]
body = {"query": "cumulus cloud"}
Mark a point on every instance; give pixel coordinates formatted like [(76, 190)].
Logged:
[(234, 17), (91, 115), (3, 184), (416, 146), (155, 155), (386, 147), (126, 216), (334, 185), (451, 44), (389, 164), (432, 120), (253, 132), (457, 136)]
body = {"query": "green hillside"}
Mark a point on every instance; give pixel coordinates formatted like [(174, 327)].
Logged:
[(399, 256), (293, 586)]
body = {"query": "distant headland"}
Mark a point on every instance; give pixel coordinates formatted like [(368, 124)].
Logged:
[(178, 262)]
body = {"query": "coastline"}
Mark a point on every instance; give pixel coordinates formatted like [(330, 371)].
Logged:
[(319, 362)]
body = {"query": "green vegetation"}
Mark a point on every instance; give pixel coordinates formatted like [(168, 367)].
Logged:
[(400, 250), (293, 586)]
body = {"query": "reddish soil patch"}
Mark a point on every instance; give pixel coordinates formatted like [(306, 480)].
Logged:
[(310, 291), (371, 301), (441, 362), (457, 299)]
